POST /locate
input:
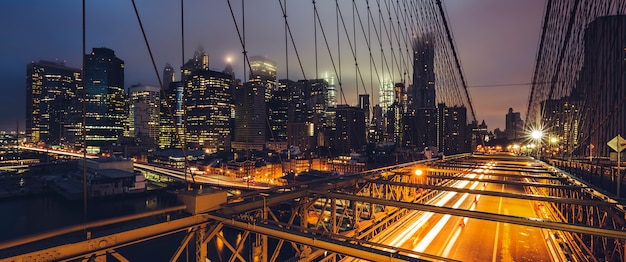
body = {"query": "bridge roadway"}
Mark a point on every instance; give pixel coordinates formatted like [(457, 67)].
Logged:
[(455, 210), (467, 239)]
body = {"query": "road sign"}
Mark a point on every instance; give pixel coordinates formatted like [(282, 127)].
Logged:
[(618, 143)]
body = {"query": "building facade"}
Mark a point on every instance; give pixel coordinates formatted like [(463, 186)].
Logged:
[(208, 111), (250, 117), (144, 114), (51, 99), (106, 111), (514, 126), (171, 129), (350, 129)]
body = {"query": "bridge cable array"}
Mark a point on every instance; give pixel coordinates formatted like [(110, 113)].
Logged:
[(575, 93)]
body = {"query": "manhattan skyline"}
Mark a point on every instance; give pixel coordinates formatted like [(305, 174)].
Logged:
[(496, 43)]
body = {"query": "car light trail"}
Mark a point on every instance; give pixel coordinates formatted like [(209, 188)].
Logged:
[(425, 242)]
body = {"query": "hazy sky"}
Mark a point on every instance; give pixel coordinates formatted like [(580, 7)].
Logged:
[(497, 42)]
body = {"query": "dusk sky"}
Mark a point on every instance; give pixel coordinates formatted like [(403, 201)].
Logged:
[(497, 43)]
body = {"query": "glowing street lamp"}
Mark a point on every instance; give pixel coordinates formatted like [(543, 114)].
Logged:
[(537, 135), (554, 140)]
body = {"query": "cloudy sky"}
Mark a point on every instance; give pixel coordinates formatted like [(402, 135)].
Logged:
[(497, 42)]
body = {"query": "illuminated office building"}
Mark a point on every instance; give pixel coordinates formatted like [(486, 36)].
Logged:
[(171, 116), (420, 119), (51, 95), (105, 99), (453, 135), (350, 129), (251, 112), (278, 107), (263, 72), (199, 61), (250, 121), (143, 114), (332, 91), (168, 75), (208, 109)]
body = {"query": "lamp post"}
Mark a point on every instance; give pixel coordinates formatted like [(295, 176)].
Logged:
[(554, 144), (537, 135)]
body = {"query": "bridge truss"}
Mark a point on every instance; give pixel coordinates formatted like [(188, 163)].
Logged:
[(339, 218)]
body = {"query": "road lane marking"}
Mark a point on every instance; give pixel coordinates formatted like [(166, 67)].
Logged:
[(495, 241)]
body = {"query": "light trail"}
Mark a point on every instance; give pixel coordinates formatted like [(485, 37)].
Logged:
[(425, 242), (179, 174), (55, 151)]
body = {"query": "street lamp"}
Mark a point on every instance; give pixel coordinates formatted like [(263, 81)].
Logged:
[(537, 135), (554, 143)]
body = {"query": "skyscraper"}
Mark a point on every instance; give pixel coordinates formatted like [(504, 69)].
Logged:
[(350, 129), (105, 99), (51, 99), (263, 72), (278, 108), (199, 61), (208, 108), (332, 92), (297, 135), (144, 115), (386, 96), (453, 135), (378, 125), (172, 116), (422, 93), (514, 125), (250, 117), (316, 91), (421, 114), (364, 103), (168, 75), (251, 112)]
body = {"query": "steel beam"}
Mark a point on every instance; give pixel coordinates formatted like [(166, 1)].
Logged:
[(113, 241), (500, 194), (75, 228), (533, 222), (509, 182), (346, 248)]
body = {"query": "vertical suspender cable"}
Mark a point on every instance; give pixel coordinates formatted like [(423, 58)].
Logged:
[(455, 57), (356, 65), (369, 39), (184, 105), (339, 78), (84, 131), (317, 76), (286, 43)]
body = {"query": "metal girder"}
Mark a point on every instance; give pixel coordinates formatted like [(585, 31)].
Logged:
[(509, 182), (491, 173), (91, 246), (190, 234), (117, 255), (350, 249), (75, 228), (509, 170), (499, 194), (533, 222), (239, 208), (513, 168)]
